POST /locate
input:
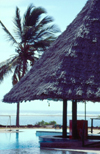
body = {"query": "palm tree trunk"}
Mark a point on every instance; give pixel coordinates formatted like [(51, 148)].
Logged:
[(18, 104), (17, 115)]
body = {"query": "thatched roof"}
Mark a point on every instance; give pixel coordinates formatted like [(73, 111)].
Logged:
[(70, 68)]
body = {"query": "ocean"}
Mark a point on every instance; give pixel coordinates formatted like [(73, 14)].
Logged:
[(33, 117)]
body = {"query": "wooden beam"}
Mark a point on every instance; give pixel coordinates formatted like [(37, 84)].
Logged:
[(64, 118), (74, 119)]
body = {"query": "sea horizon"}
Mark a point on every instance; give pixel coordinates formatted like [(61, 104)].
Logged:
[(34, 116), (47, 112)]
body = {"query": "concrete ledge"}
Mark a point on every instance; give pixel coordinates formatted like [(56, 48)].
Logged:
[(52, 138), (58, 142), (61, 145)]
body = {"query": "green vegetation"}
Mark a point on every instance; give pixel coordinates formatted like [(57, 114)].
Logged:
[(43, 123)]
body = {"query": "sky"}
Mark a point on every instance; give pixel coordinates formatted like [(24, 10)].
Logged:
[(63, 12)]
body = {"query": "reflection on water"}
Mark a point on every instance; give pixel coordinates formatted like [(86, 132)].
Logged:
[(63, 152), (18, 139), (26, 142), (39, 151)]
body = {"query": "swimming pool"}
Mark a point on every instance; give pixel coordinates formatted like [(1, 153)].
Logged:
[(22, 138), (26, 141), (18, 139)]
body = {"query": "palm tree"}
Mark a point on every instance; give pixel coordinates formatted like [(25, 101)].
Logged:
[(33, 35)]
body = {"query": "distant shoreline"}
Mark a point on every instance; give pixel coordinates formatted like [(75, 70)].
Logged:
[(69, 115)]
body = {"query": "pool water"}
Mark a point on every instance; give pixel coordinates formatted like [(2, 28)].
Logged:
[(26, 141), (24, 138), (18, 139)]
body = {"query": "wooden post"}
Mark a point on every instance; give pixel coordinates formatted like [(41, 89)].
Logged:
[(85, 110), (74, 119), (91, 125), (64, 118), (17, 116)]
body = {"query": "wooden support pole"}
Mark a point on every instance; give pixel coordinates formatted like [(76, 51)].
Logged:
[(91, 125), (85, 110), (74, 119), (17, 116), (64, 118)]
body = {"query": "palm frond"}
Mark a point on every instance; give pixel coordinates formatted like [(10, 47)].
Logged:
[(43, 44), (53, 29), (7, 66), (14, 79), (9, 35), (17, 74), (17, 22), (35, 16), (37, 27), (27, 33), (32, 59), (27, 15), (50, 39), (46, 20), (20, 70), (49, 32), (41, 25), (39, 33)]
